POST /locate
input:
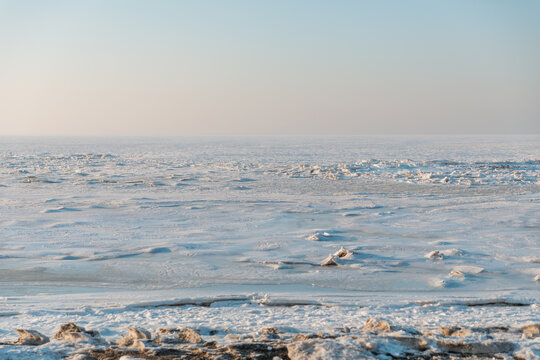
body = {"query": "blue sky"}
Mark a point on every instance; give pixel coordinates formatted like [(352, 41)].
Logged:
[(269, 67)]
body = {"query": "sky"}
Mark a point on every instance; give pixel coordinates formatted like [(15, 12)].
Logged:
[(275, 67)]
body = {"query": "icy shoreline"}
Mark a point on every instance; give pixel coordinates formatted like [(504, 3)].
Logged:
[(500, 327)]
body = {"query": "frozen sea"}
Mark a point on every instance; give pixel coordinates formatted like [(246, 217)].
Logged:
[(107, 231)]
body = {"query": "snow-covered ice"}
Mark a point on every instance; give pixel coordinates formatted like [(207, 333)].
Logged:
[(209, 232)]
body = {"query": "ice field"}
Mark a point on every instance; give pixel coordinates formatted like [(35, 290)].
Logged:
[(326, 231)]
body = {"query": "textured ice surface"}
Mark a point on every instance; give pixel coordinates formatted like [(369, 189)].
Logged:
[(176, 218)]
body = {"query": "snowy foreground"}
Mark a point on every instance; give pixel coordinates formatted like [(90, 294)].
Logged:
[(300, 248)]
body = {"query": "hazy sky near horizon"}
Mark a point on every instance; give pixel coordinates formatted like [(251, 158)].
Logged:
[(281, 67)]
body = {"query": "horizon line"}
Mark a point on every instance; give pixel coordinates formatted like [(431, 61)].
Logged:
[(267, 135)]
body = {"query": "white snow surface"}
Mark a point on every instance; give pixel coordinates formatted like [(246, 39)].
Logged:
[(98, 231)]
